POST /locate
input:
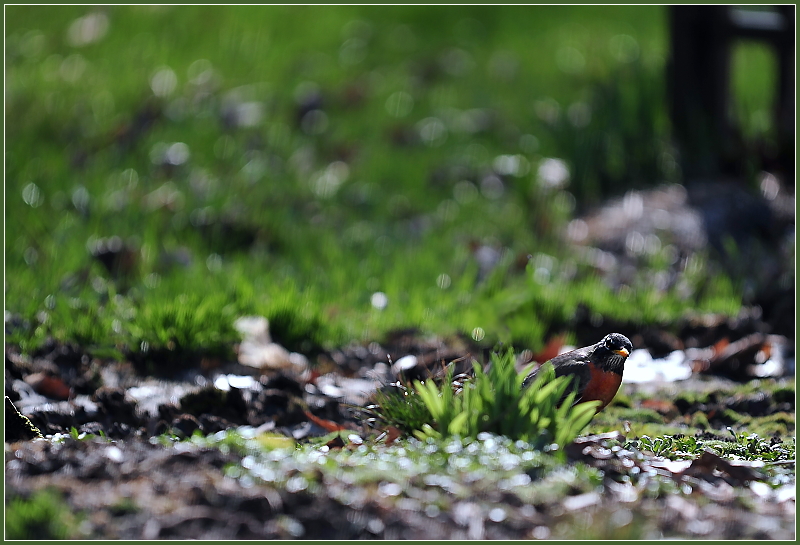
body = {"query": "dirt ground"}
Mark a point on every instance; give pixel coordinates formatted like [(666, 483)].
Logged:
[(127, 486), (135, 490)]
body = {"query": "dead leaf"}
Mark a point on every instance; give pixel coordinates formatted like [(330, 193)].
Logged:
[(335, 443), (719, 346), (708, 462), (327, 425), (733, 358), (551, 349), (48, 386), (661, 406), (392, 434), (766, 348)]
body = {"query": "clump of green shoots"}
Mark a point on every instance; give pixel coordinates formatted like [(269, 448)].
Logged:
[(43, 515), (491, 401)]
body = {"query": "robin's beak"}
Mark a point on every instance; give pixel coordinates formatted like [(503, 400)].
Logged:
[(622, 352)]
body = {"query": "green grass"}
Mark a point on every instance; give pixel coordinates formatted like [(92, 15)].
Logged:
[(741, 446), (491, 401), (44, 515), (304, 223)]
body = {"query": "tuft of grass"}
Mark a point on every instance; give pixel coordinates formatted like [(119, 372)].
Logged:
[(124, 506), (178, 332), (400, 405), (298, 331), (492, 402), (44, 515)]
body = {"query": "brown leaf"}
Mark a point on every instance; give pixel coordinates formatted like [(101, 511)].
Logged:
[(700, 366), (392, 434), (750, 344), (335, 443), (313, 376), (766, 348), (551, 349), (733, 358), (661, 406), (327, 425), (719, 346), (52, 387), (708, 462)]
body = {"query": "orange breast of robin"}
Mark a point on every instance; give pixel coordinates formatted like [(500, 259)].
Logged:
[(602, 386)]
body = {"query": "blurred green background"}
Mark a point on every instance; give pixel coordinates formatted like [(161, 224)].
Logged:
[(342, 170)]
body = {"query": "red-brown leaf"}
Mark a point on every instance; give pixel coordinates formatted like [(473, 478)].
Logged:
[(328, 425), (52, 387), (551, 349)]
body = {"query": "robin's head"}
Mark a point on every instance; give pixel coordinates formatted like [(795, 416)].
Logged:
[(611, 353)]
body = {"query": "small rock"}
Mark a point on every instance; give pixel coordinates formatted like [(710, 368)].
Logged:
[(257, 349), (254, 328), (404, 364), (575, 503)]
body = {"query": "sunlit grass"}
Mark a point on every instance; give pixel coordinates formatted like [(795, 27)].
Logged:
[(432, 129)]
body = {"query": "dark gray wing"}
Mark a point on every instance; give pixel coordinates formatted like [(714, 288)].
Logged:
[(575, 364)]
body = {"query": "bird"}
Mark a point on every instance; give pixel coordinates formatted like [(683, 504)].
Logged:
[(596, 369)]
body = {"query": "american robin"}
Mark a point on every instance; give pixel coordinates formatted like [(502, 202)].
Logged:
[(596, 369)]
